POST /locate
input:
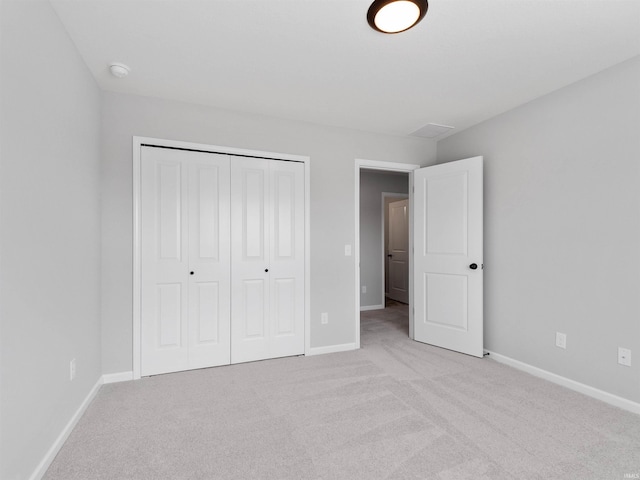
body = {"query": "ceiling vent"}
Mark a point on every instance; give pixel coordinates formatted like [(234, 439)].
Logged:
[(431, 130)]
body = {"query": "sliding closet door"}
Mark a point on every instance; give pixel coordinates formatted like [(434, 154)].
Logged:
[(267, 205), (185, 260)]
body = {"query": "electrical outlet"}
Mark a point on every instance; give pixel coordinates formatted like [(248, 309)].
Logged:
[(72, 369), (347, 250), (324, 318), (561, 340), (364, 289), (624, 356)]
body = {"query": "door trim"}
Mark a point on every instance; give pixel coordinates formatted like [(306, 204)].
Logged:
[(385, 195), (388, 167), (137, 144)]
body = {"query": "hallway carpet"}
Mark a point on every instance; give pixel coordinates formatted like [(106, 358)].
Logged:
[(395, 409)]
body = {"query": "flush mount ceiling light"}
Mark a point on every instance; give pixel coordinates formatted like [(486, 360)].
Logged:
[(395, 16), (119, 70)]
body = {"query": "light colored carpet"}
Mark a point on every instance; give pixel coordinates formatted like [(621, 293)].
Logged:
[(395, 409)]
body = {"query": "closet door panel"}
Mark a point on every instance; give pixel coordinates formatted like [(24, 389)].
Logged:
[(164, 283), (268, 259), (250, 327), (287, 258), (209, 260)]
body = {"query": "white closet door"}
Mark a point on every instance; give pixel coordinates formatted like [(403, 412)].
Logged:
[(164, 262), (209, 261), (286, 269), (185, 228), (267, 259)]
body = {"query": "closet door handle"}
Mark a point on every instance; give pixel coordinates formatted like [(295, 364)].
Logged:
[(191, 273), (266, 270)]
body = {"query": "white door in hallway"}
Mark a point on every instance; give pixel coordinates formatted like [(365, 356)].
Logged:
[(398, 253), (267, 223), (448, 256), (185, 297)]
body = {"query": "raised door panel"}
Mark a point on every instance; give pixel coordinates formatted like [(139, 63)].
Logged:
[(207, 212), (209, 260), (284, 234), (169, 316), (284, 307), (446, 296), (446, 206), (164, 290), (253, 213), (206, 314), (169, 215), (254, 301)]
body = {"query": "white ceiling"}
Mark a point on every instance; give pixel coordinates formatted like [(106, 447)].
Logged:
[(319, 61)]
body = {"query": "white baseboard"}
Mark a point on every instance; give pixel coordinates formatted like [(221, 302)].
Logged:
[(66, 431), (117, 377), (331, 349), (593, 392), (371, 307)]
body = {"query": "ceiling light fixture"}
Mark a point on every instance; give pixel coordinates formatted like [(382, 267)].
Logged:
[(395, 16), (119, 70)]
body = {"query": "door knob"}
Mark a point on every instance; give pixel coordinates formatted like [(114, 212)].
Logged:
[(473, 266), (266, 269), (191, 273)]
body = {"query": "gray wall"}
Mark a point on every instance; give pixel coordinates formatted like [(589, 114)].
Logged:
[(562, 228), (372, 184), (49, 233), (332, 153)]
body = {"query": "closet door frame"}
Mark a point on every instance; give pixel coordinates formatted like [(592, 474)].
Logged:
[(138, 143)]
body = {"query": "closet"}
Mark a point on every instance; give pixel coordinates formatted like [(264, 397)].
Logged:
[(222, 259)]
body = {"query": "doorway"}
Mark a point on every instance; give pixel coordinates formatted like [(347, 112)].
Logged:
[(446, 269), (370, 273), (377, 191)]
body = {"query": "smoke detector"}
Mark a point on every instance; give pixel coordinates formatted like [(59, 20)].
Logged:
[(119, 70)]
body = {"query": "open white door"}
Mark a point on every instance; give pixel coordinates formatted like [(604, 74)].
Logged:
[(448, 277)]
